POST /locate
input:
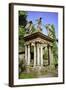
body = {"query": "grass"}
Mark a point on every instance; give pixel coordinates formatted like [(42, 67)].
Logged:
[(28, 75), (35, 74)]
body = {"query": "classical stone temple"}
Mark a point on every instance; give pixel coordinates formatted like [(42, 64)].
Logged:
[(39, 42)]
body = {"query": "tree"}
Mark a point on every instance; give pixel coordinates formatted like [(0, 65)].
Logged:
[(55, 47), (22, 18), (51, 30), (21, 36), (22, 24)]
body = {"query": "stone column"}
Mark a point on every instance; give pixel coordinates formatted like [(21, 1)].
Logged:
[(34, 55), (50, 55), (28, 55), (41, 55), (38, 62)]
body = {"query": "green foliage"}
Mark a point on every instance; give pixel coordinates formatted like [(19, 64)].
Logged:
[(51, 28), (22, 23), (21, 32), (28, 75), (55, 48), (53, 32), (33, 29), (45, 56), (22, 66), (22, 18), (21, 36)]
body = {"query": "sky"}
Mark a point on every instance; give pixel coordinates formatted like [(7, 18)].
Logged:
[(47, 18)]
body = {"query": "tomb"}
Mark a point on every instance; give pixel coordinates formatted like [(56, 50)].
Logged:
[(39, 42)]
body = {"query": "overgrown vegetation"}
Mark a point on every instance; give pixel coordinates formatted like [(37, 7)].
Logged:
[(55, 47), (22, 66), (51, 30), (22, 23)]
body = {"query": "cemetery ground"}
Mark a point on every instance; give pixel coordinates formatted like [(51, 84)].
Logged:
[(39, 72)]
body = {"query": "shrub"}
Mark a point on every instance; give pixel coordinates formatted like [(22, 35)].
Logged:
[(22, 66)]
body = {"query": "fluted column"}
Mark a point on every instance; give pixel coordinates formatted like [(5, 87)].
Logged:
[(38, 62), (41, 55)]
